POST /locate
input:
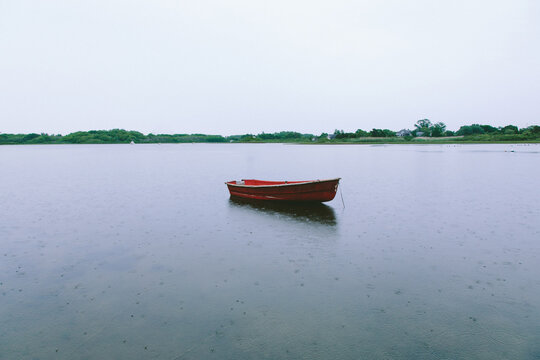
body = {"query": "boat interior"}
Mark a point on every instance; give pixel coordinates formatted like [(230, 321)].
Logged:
[(252, 182)]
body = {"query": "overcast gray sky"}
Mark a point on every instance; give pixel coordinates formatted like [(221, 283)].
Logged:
[(238, 66)]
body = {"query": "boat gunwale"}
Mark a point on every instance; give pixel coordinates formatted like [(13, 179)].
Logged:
[(279, 185)]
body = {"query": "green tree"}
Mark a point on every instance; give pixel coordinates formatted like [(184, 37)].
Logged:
[(488, 129), (510, 129), (382, 133), (437, 130), (449, 133), (422, 125), (535, 130), (30, 137), (361, 133), (473, 129)]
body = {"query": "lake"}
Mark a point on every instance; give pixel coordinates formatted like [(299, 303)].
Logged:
[(137, 252)]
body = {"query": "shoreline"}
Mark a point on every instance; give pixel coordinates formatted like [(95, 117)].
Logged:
[(412, 142), (469, 134)]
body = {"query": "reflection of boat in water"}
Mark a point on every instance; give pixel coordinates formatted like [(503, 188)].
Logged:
[(312, 190), (298, 211)]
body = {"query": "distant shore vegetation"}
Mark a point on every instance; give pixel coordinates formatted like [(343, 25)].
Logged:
[(424, 131)]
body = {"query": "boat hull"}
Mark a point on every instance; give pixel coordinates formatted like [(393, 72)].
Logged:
[(309, 191)]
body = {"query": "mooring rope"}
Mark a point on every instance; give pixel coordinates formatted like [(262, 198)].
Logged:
[(341, 193)]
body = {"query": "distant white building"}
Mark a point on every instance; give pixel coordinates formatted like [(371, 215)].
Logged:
[(404, 132)]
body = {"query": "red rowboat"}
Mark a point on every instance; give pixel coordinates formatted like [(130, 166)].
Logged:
[(311, 190)]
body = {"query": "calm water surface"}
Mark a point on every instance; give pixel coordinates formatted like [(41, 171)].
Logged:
[(137, 252)]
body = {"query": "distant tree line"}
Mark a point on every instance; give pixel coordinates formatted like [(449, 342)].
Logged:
[(423, 129), (115, 136)]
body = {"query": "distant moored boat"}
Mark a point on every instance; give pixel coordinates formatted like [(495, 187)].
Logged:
[(307, 190)]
